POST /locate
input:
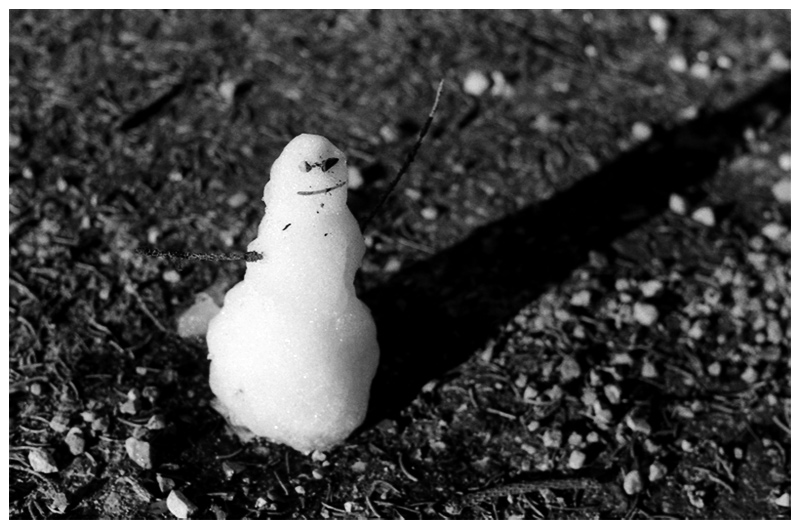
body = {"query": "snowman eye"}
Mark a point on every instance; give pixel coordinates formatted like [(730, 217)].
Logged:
[(327, 164), (305, 167)]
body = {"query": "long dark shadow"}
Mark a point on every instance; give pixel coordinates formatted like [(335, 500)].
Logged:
[(433, 315)]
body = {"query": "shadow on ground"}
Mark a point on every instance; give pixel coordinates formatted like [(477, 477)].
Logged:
[(433, 315)]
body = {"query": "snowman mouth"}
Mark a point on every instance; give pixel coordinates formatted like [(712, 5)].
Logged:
[(321, 191)]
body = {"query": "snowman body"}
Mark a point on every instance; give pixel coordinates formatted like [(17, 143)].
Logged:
[(293, 350)]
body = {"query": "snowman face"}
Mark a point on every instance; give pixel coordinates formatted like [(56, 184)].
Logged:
[(310, 165)]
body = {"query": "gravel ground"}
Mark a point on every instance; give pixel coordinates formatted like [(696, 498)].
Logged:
[(582, 285)]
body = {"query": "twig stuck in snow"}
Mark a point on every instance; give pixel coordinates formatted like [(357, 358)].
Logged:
[(409, 159)]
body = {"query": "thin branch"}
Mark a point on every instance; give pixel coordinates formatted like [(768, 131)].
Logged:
[(409, 159), (199, 256)]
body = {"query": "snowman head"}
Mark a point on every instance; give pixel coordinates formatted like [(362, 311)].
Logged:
[(310, 170)]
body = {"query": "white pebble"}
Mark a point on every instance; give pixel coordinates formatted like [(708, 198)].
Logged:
[(677, 63), (179, 505), (677, 204), (688, 113), (645, 314), (774, 231), (171, 276), (576, 459), (552, 438), (704, 216), (687, 445), (784, 500), (660, 27), (657, 472), (700, 70), (581, 299), (724, 62), (714, 369), (42, 461), (227, 89), (613, 393), (500, 87), (641, 131), (783, 191), (785, 161), (476, 83), (194, 322), (750, 375), (779, 62), (651, 288), (354, 178), (429, 213), (638, 425), (632, 483), (649, 370), (529, 395), (238, 199)]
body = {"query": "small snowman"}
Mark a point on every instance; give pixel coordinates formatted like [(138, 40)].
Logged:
[(293, 350)]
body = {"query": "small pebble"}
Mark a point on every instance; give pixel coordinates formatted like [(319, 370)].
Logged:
[(139, 452), (476, 83), (171, 276), (570, 369), (632, 483), (714, 369), (552, 438), (704, 216), (388, 133), (651, 288), (130, 407), (724, 62), (429, 213), (649, 370), (641, 131), (100, 424), (576, 459), (238, 199), (638, 425), (750, 375), (784, 500), (165, 484), (359, 467), (226, 90), (156, 422), (14, 141), (75, 441), (179, 505), (779, 62), (592, 437), (657, 472), (354, 177), (35, 388), (687, 445), (194, 321), (774, 231), (42, 461), (678, 63), (316, 455), (700, 70), (783, 191), (530, 394), (785, 161), (645, 314), (688, 113), (581, 299), (533, 426), (613, 393), (59, 423), (660, 26), (500, 86), (574, 439), (151, 393), (231, 468), (677, 204)]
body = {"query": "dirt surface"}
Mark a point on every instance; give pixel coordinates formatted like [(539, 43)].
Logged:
[(582, 285)]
